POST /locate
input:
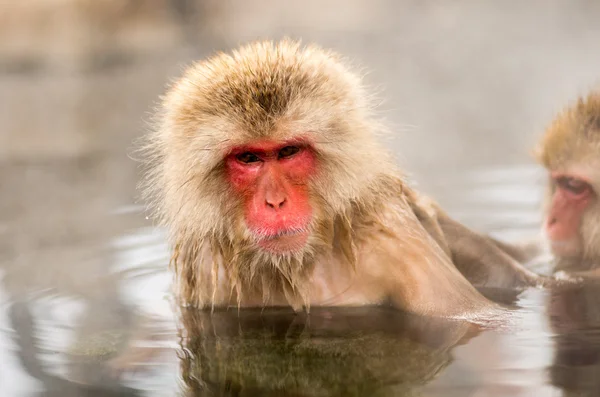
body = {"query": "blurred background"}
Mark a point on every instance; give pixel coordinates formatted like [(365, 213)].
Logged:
[(467, 86)]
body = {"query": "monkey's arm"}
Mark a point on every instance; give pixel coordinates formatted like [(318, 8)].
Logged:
[(522, 253), (418, 275), (484, 261)]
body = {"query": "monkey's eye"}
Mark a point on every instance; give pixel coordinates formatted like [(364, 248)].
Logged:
[(247, 158), (572, 185), (288, 151)]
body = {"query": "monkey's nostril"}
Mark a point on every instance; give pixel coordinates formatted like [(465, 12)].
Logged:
[(276, 204)]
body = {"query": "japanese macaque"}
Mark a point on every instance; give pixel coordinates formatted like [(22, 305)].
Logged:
[(570, 151), (266, 171)]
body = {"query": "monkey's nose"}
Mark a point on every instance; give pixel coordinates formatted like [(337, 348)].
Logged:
[(275, 202)]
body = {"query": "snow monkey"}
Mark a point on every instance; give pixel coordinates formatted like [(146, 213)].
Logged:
[(265, 168), (570, 151)]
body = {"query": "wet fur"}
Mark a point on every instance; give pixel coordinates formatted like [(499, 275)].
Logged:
[(260, 277)]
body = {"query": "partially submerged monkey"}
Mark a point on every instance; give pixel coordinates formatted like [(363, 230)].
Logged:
[(570, 151), (266, 171)]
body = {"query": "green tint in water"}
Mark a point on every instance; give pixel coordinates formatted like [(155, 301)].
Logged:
[(342, 352)]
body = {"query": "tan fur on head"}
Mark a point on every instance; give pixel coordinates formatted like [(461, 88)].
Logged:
[(262, 90), (575, 131), (572, 143)]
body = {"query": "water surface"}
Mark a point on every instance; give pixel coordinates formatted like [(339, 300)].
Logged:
[(106, 325)]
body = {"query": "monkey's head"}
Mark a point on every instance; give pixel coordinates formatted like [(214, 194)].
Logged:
[(263, 150), (570, 151)]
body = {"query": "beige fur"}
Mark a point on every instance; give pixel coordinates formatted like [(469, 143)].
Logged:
[(366, 246), (573, 136)]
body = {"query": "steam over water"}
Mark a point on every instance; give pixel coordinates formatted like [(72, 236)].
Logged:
[(85, 306)]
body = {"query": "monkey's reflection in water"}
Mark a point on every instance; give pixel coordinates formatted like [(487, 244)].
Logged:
[(369, 351), (574, 315)]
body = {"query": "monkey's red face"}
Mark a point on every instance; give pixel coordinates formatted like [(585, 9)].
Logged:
[(571, 197), (272, 179)]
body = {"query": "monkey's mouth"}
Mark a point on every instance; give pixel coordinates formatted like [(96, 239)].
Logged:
[(284, 241)]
